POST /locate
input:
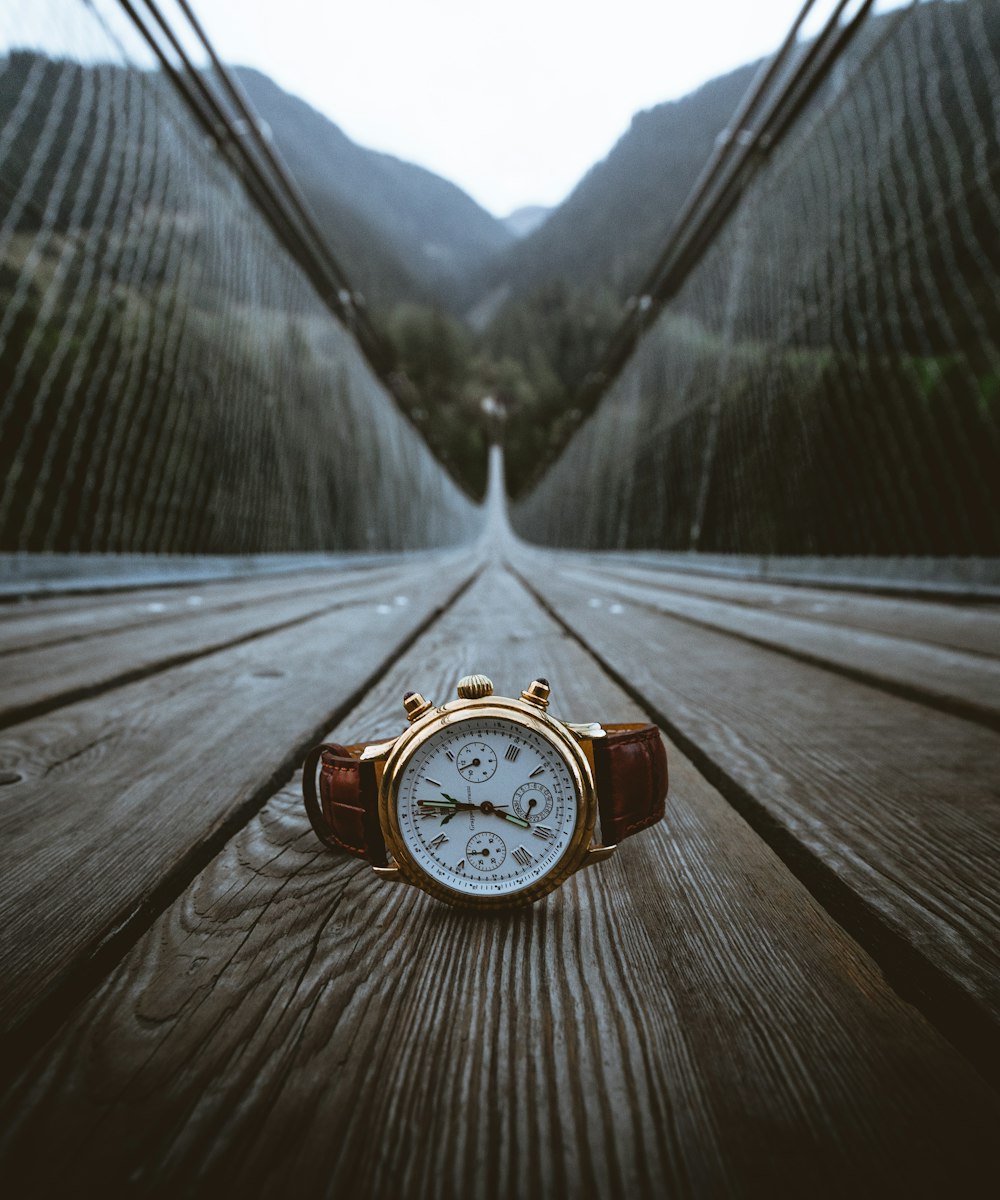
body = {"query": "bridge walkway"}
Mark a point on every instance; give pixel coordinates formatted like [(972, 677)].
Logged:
[(789, 985)]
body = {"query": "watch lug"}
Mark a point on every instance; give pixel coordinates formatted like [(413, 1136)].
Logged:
[(597, 854), (591, 730), (389, 874), (377, 751)]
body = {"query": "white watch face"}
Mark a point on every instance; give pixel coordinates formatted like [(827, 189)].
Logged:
[(487, 806)]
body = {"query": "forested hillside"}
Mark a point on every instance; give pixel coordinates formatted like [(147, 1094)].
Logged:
[(608, 230), (470, 308), (436, 234), (473, 306)]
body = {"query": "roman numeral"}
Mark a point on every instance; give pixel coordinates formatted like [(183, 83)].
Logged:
[(524, 857), (461, 865), (449, 756), (512, 753), (438, 841), (543, 832), (537, 771), (427, 779)]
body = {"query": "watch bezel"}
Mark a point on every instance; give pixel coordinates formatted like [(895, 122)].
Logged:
[(508, 709)]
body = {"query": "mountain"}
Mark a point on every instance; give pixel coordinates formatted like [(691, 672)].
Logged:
[(523, 221), (435, 231), (611, 227)]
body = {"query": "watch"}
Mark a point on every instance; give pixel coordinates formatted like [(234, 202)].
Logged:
[(487, 801)]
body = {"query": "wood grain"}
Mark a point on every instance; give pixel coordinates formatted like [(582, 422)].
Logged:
[(44, 677), (968, 684), (684, 1020), (974, 627), (896, 803), (113, 795), (31, 623)]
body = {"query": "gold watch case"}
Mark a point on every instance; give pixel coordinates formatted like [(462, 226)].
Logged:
[(564, 741)]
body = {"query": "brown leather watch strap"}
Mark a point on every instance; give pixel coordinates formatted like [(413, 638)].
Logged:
[(341, 795), (341, 792), (630, 769)]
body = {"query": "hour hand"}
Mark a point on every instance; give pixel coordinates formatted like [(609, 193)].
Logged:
[(512, 818)]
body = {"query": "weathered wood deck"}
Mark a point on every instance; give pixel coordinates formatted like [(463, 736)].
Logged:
[(790, 986)]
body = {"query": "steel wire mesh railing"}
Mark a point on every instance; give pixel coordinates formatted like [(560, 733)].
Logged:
[(170, 379), (827, 379)]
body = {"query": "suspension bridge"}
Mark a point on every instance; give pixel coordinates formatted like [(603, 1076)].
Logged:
[(772, 530)]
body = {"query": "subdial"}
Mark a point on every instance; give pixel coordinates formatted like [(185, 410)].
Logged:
[(486, 851), (476, 762), (532, 801)]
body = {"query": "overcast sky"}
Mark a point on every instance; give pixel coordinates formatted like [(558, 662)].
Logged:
[(512, 100)]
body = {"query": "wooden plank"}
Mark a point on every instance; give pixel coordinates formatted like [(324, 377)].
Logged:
[(31, 624), (967, 684), (684, 1020), (114, 795), (57, 573), (39, 679), (971, 627), (890, 807), (961, 578)]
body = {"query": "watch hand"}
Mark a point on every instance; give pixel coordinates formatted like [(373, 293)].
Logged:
[(513, 820), (488, 807), (447, 806), (485, 806)]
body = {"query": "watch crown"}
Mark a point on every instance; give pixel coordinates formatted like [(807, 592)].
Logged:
[(537, 693), (474, 687), (415, 705)]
